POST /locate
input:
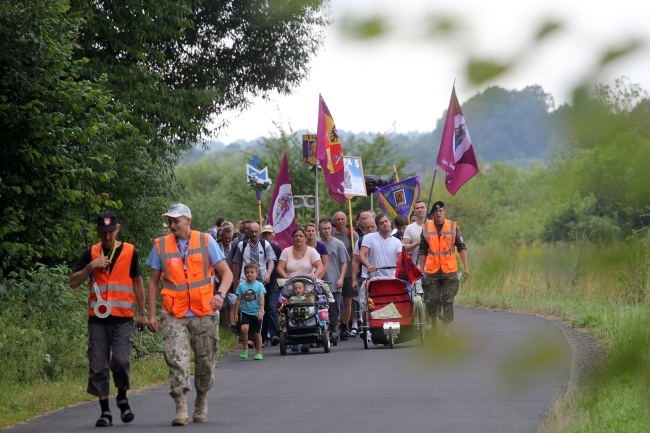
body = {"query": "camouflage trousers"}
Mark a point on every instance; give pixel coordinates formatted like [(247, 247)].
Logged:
[(202, 334), (439, 292)]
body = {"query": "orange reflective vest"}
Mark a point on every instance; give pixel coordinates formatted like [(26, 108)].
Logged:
[(179, 292), (115, 288), (442, 251)]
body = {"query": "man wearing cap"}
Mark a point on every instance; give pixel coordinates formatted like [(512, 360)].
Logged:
[(113, 266), (270, 322), (439, 241), (184, 260)]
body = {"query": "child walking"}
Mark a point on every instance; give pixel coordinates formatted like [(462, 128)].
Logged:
[(250, 298)]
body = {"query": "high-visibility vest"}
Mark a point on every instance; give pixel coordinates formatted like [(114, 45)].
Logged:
[(115, 288), (179, 292), (442, 251)]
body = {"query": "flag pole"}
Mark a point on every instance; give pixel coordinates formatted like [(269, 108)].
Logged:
[(432, 182), (435, 171), (316, 210), (395, 170)]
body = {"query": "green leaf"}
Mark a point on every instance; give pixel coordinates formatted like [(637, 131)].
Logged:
[(614, 54), (479, 71)]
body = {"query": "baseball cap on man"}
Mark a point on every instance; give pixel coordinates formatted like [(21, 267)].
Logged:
[(268, 229), (177, 210), (106, 222), (437, 205)]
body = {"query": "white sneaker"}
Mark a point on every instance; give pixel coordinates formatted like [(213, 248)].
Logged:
[(353, 332)]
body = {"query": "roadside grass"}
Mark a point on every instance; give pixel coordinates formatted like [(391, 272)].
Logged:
[(604, 290), (20, 402)]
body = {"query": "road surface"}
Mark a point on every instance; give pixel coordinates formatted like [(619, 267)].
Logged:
[(499, 372)]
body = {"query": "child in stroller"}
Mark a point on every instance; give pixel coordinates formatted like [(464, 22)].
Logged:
[(300, 295), (303, 315)]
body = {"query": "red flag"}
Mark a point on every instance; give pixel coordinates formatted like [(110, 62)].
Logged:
[(406, 269), (456, 156), (281, 214), (329, 152)]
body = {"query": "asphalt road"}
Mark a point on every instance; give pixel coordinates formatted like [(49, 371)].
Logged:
[(499, 372)]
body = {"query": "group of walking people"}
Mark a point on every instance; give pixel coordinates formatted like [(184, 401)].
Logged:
[(234, 274)]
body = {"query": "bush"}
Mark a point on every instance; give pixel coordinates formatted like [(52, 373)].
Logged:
[(44, 325), (23, 353)]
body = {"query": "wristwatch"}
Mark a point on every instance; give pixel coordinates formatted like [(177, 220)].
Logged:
[(221, 294)]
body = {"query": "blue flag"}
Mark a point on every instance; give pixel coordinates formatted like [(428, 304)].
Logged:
[(399, 198)]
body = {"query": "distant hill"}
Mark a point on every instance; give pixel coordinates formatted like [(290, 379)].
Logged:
[(517, 126)]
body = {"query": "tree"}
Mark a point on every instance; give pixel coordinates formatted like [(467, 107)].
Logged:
[(216, 185), (602, 171), (65, 141), (179, 64), (378, 154)]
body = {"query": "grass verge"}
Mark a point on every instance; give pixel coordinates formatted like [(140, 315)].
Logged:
[(20, 402), (602, 289)]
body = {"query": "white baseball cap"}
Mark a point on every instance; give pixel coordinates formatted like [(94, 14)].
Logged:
[(177, 210)]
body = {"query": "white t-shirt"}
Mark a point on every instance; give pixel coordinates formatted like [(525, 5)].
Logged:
[(383, 253), (413, 232)]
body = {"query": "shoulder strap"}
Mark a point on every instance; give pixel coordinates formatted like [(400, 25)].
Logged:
[(245, 241)]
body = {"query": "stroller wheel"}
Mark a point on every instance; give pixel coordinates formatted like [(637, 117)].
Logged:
[(283, 343), (326, 339)]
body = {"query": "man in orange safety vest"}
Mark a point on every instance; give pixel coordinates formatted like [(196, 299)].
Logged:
[(439, 241)]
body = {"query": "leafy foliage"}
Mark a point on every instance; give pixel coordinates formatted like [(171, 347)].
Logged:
[(179, 64), (43, 326), (99, 99), (603, 172), (65, 140), (216, 185)]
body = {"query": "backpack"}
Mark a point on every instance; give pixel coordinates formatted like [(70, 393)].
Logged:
[(242, 249)]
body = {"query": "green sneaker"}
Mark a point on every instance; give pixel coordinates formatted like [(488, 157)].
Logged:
[(258, 357), (244, 354)]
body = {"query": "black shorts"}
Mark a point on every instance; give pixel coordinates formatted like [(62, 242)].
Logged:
[(254, 325), (347, 291)]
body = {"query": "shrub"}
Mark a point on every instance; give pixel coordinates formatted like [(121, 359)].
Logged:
[(44, 325)]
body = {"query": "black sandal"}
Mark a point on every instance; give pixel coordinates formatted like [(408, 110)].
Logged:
[(125, 411), (105, 420)]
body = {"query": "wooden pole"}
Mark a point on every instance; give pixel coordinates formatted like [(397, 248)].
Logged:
[(350, 218)]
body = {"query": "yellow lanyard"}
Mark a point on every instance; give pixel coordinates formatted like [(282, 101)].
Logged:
[(110, 257)]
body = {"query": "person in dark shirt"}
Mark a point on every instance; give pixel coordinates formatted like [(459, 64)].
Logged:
[(115, 286)]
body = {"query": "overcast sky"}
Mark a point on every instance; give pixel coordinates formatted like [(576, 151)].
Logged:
[(403, 81)]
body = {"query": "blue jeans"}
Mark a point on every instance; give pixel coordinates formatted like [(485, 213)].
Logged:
[(270, 321)]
